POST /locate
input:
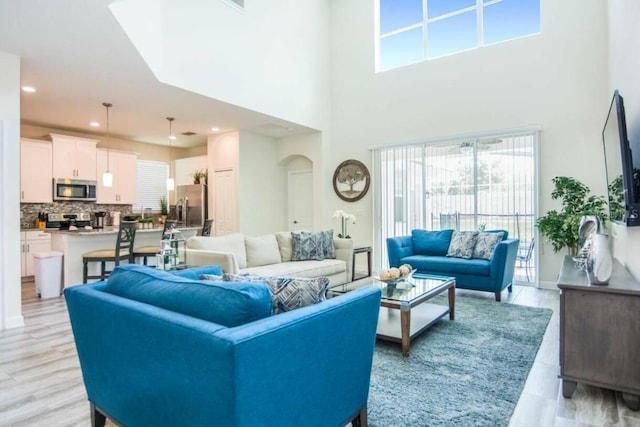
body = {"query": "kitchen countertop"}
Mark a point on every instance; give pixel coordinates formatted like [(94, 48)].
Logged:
[(111, 230)]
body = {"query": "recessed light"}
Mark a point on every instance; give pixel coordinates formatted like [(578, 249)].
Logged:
[(29, 89), (215, 129), (94, 124), (172, 137)]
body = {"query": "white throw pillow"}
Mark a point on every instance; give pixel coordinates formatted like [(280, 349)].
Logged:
[(231, 243), (285, 244), (262, 250)]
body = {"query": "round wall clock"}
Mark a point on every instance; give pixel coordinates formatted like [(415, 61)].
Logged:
[(351, 180)]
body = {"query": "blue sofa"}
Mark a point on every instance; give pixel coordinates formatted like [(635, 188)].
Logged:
[(426, 251), (162, 349)]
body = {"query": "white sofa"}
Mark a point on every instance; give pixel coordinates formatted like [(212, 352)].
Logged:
[(268, 255)]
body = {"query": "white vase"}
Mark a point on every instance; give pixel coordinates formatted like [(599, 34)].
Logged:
[(600, 261)]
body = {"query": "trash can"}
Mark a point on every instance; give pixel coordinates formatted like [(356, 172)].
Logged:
[(48, 273)]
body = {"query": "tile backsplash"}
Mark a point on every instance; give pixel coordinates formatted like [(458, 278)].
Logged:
[(29, 211)]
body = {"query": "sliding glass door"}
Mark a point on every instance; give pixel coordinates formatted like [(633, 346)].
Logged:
[(478, 183)]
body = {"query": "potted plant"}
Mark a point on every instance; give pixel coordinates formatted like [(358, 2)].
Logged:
[(561, 228), (199, 176), (164, 209)]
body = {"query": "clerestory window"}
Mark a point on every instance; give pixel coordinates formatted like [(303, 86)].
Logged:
[(410, 31)]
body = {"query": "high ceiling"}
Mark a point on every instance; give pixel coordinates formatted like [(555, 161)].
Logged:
[(76, 56)]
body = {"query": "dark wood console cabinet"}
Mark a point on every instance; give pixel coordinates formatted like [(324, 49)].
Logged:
[(600, 332)]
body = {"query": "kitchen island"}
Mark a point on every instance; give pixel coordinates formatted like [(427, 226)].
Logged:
[(77, 242)]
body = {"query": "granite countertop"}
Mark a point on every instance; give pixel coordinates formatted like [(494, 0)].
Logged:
[(111, 230)]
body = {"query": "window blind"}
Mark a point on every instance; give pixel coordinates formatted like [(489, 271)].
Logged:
[(152, 184)]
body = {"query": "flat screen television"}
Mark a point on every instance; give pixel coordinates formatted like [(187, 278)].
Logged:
[(622, 179)]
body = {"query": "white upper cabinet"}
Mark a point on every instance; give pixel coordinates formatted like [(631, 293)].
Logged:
[(73, 157), (36, 174), (123, 167)]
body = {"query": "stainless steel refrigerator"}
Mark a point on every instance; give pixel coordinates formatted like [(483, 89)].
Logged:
[(191, 205)]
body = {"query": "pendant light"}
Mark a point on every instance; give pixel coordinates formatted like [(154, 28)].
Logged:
[(170, 181), (107, 176)]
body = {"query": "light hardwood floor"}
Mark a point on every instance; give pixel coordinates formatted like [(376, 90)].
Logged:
[(41, 383)]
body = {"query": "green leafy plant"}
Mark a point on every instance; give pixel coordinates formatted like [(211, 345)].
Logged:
[(561, 228), (164, 207), (200, 176)]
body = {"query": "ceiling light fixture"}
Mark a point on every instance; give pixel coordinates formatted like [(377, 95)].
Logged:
[(94, 124), (214, 129), (170, 182), (29, 89), (107, 176)]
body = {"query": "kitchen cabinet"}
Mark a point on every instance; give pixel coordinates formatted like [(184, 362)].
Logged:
[(32, 242), (73, 157), (36, 171), (124, 169)]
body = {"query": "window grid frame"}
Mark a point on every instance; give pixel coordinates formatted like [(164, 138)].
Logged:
[(479, 7)]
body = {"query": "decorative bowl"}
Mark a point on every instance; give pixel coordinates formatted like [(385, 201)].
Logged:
[(395, 280)]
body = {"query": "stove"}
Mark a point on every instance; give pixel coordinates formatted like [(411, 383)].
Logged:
[(63, 221)]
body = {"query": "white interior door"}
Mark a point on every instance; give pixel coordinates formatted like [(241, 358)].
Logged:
[(300, 186), (226, 212)]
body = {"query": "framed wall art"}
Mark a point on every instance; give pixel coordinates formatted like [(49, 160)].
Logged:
[(351, 180)]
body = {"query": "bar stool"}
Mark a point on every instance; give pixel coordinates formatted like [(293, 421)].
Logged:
[(147, 251), (206, 228), (123, 251)]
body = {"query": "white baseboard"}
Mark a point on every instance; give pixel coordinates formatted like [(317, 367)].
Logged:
[(547, 285), (14, 322)]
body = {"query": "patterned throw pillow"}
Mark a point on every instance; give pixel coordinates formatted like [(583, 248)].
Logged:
[(210, 277), (485, 245), (462, 244), (328, 249), (288, 293), (306, 246)]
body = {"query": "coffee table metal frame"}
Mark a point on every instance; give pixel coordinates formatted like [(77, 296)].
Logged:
[(404, 312)]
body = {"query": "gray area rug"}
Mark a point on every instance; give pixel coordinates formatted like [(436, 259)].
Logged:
[(465, 372)]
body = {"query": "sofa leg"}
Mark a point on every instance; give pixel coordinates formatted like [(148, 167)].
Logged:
[(498, 296), (361, 419), (510, 288), (97, 418)]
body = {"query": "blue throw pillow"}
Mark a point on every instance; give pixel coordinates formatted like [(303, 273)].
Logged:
[(306, 246), (225, 304), (431, 242)]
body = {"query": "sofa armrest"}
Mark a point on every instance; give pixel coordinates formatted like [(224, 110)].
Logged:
[(398, 248), (226, 260), (307, 358), (503, 262), (344, 252)]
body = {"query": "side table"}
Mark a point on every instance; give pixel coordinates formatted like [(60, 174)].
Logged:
[(356, 251)]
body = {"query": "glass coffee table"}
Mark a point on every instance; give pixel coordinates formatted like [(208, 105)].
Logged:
[(404, 310)]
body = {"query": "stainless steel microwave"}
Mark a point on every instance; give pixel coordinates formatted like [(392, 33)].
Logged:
[(74, 189)]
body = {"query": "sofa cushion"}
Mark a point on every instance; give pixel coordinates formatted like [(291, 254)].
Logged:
[(195, 272), (486, 244), (448, 265), (288, 293), (285, 245), (262, 250), (306, 246), (218, 302), (326, 267), (232, 243), (431, 242), (462, 244)]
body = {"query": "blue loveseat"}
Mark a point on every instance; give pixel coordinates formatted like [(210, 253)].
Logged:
[(163, 349), (426, 251)]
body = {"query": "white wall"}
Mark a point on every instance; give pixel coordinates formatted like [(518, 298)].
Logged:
[(10, 292), (263, 186), (557, 79), (624, 66), (273, 58)]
